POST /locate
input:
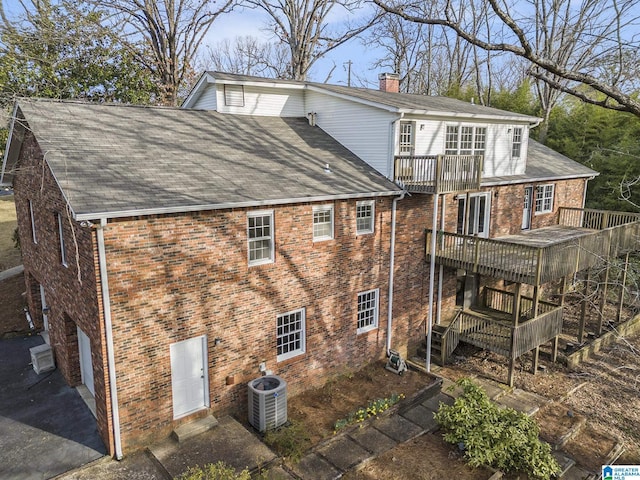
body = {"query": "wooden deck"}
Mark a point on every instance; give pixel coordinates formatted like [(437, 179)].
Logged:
[(438, 173), (538, 256)]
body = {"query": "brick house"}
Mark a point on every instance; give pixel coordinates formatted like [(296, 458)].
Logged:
[(169, 252)]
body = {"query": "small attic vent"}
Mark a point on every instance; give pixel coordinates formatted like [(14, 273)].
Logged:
[(267, 402), (234, 95)]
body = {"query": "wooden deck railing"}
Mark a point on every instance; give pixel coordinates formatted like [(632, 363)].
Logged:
[(594, 219), (439, 173), (533, 333), (518, 262)]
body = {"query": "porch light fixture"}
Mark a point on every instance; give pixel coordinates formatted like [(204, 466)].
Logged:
[(327, 168), (217, 341)]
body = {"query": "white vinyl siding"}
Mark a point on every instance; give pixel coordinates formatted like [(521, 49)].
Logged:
[(544, 198), (260, 234), (367, 311), (364, 130), (290, 334), (322, 223), (365, 214), (208, 99), (265, 101)]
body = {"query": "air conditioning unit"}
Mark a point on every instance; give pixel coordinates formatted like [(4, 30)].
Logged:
[(42, 358), (267, 402)]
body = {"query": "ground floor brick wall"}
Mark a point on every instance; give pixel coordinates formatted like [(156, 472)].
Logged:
[(174, 278)]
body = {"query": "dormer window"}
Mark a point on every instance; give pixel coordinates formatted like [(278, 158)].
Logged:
[(465, 140), (406, 138), (516, 143)]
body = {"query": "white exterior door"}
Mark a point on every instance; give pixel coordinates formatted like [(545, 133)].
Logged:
[(86, 364), (526, 209), (189, 380), (43, 302)]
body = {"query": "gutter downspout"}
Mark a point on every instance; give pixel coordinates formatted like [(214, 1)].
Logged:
[(111, 364), (432, 275), (441, 267), (392, 251)]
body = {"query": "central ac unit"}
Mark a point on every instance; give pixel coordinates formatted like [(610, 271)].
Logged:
[(267, 402), (42, 358)]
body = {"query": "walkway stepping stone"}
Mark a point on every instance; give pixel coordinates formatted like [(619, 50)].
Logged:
[(314, 467), (492, 388), (398, 428), (433, 403), (344, 453), (565, 463), (522, 401), (373, 440), (421, 415)]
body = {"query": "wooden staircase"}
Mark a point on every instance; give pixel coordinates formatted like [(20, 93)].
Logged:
[(437, 355)]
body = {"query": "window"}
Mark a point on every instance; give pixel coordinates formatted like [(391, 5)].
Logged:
[(33, 223), (465, 140), (260, 237), (544, 198), (364, 217), (322, 223), (516, 145), (406, 138), (477, 215), (367, 310), (234, 95), (290, 334), (63, 254)]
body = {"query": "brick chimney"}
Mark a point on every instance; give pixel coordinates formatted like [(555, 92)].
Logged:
[(389, 82)]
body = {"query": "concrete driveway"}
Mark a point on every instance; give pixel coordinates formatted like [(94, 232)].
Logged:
[(45, 427)]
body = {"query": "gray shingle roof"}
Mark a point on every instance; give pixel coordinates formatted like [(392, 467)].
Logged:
[(401, 101), (545, 164), (113, 160)]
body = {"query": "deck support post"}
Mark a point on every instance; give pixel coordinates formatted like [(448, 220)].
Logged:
[(603, 299), (623, 285), (536, 305), (583, 305), (517, 297), (536, 360), (563, 290), (554, 349)]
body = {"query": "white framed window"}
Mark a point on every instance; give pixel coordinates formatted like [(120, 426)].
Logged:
[(516, 142), (478, 214), (322, 222), (234, 95), (32, 219), (290, 334), (544, 198), (63, 253), (406, 138), (365, 211), (260, 237), (367, 311), (465, 140)]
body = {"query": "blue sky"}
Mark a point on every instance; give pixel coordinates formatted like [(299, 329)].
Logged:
[(243, 22)]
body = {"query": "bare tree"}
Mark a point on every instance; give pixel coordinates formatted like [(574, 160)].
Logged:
[(567, 44), (169, 33), (247, 56), (304, 26)]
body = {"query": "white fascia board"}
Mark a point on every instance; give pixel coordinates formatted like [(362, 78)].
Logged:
[(224, 206), (269, 84), (197, 90), (533, 121), (354, 99)]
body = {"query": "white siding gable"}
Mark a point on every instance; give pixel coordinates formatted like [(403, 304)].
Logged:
[(207, 100), (365, 130), (264, 101)]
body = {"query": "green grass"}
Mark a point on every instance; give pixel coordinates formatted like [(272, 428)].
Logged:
[(9, 255)]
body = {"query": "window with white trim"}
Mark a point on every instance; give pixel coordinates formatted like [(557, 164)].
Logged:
[(465, 140), (365, 211), (291, 334), (34, 237), (63, 253), (516, 142), (544, 198), (234, 95), (406, 138), (367, 310), (322, 222), (260, 237)]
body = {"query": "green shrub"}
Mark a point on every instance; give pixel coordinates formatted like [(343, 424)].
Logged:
[(290, 440), (214, 471), (373, 409), (494, 436)]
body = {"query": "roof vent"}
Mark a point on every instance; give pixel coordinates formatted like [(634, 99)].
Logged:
[(312, 118)]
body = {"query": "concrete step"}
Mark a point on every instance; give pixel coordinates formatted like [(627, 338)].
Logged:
[(191, 429)]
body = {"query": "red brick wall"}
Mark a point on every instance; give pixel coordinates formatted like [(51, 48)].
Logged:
[(71, 291), (173, 278)]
